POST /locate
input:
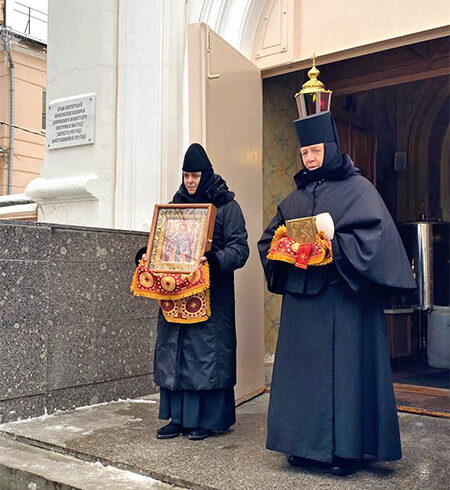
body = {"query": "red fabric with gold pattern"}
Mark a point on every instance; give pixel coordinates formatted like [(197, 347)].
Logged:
[(167, 285), (193, 309), (184, 298), (303, 254), (287, 250)]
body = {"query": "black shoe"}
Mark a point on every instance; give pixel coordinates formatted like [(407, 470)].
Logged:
[(298, 461), (344, 467), (169, 431), (199, 434)]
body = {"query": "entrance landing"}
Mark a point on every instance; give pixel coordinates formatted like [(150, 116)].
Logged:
[(121, 436)]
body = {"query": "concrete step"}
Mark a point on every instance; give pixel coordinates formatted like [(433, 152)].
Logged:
[(27, 467)]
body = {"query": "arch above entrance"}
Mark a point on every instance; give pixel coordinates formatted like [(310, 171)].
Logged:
[(236, 21)]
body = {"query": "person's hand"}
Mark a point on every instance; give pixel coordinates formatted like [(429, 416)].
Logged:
[(144, 257), (203, 259)]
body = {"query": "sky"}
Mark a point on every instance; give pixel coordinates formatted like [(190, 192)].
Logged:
[(18, 21)]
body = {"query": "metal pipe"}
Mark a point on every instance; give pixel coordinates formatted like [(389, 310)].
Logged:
[(6, 40), (425, 265)]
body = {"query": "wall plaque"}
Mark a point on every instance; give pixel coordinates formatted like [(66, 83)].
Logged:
[(71, 121)]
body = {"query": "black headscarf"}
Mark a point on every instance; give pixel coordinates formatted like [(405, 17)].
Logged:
[(211, 189), (336, 166)]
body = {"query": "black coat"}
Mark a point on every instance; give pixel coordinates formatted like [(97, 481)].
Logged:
[(331, 387), (202, 356)]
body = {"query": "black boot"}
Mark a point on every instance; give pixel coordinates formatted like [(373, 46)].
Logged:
[(169, 431), (198, 434), (343, 466), (298, 461)]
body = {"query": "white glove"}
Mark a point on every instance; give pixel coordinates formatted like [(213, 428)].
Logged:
[(325, 223)]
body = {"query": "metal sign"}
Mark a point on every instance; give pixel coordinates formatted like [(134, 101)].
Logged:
[(71, 121)]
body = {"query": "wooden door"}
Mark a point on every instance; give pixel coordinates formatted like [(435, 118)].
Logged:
[(358, 139), (225, 116)]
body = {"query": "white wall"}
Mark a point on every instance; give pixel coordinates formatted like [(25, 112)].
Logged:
[(132, 55), (82, 58), (338, 25)]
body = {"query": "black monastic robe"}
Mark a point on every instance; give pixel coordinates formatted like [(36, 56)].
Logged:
[(332, 392)]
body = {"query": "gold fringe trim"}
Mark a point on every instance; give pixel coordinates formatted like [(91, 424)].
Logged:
[(281, 258), (181, 295), (133, 286), (281, 232), (325, 262), (191, 321)]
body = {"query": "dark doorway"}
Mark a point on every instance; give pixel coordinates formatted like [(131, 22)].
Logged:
[(391, 110)]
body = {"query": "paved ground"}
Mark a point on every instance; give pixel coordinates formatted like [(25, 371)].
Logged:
[(122, 435)]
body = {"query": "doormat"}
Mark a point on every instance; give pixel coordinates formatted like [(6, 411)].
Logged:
[(434, 404), (422, 400)]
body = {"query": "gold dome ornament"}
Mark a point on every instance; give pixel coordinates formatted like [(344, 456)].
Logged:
[(313, 98)]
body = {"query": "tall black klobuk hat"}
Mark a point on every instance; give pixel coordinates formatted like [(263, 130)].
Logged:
[(318, 128), (316, 124)]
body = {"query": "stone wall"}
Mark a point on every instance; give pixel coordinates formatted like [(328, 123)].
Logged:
[(71, 333)]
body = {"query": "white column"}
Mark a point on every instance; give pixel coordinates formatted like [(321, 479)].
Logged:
[(77, 184), (150, 110)]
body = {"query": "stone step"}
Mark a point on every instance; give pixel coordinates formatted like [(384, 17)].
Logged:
[(27, 467)]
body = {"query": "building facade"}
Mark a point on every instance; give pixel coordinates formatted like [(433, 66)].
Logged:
[(23, 117), (224, 73)]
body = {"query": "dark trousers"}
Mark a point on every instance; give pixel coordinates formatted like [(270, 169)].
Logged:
[(209, 409)]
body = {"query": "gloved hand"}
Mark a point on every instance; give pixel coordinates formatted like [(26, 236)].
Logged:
[(325, 223)]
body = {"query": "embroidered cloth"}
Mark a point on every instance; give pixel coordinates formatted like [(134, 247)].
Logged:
[(183, 298), (302, 255)]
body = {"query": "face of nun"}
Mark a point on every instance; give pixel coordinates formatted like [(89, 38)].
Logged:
[(312, 156), (191, 181)]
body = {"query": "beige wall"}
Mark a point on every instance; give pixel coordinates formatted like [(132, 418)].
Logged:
[(289, 31), (30, 80), (343, 25)]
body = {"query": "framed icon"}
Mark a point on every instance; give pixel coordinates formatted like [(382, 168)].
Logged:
[(179, 237)]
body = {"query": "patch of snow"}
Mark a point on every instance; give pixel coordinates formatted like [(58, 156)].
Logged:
[(86, 407), (136, 400)]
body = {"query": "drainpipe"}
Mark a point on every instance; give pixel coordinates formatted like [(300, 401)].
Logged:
[(6, 41)]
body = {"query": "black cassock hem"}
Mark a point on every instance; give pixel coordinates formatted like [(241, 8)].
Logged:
[(209, 409), (332, 391)]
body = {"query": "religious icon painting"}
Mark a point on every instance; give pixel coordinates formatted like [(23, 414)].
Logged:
[(180, 235)]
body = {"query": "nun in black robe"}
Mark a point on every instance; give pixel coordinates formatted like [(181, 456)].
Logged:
[(195, 365), (332, 397)]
